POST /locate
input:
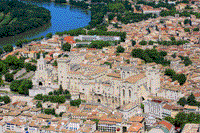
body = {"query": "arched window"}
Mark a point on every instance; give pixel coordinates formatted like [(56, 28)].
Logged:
[(123, 92), (129, 93), (99, 101), (40, 83)]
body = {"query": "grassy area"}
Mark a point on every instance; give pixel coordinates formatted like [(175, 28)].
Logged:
[(1, 16), (4, 92), (6, 20), (14, 20)]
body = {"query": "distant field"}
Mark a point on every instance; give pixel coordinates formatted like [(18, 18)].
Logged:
[(6, 20)]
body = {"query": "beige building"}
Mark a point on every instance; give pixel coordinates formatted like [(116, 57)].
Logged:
[(99, 84)]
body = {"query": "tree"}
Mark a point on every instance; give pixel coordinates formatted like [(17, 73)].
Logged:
[(38, 97), (29, 67), (19, 43), (39, 104), (170, 119), (187, 30), (49, 35), (169, 72), (55, 63), (151, 42), (191, 100), (182, 101), (174, 55), (60, 89), (9, 77), (142, 107), (120, 49), (75, 102), (1, 51), (196, 29), (186, 21), (180, 118), (8, 48), (143, 42), (181, 79), (66, 47), (133, 42), (6, 99), (191, 117)]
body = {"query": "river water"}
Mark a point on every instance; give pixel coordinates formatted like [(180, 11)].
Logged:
[(63, 18)]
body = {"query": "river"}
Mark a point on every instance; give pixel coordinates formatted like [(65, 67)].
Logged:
[(63, 18)]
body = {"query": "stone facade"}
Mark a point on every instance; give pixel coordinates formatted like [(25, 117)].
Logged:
[(94, 84)]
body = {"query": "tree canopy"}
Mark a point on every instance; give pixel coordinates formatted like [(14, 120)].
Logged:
[(19, 17), (66, 47), (120, 49)]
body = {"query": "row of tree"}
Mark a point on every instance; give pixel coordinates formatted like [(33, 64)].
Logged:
[(150, 55), (183, 118), (172, 42), (181, 78), (165, 13), (22, 17), (76, 102), (57, 96), (186, 60), (129, 17), (191, 100), (21, 86), (158, 5)]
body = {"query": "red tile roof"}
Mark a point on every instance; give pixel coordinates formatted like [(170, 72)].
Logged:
[(166, 124), (69, 39)]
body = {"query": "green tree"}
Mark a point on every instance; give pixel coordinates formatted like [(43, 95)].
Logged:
[(191, 117), (6, 99), (120, 49), (39, 104), (49, 35), (196, 29), (174, 55), (143, 42), (186, 21), (182, 101), (151, 42), (187, 30), (75, 102), (19, 43), (142, 107), (9, 77), (1, 51), (8, 48), (180, 118), (38, 97), (170, 119), (60, 89), (29, 67), (133, 42), (181, 79), (55, 63), (66, 47), (191, 100)]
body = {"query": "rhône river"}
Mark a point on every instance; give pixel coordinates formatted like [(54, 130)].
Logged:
[(63, 18)]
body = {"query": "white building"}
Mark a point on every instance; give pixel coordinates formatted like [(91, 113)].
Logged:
[(154, 108), (95, 38)]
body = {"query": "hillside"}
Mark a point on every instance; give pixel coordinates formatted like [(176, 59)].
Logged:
[(17, 17)]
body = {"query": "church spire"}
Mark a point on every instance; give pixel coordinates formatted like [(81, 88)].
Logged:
[(41, 55)]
